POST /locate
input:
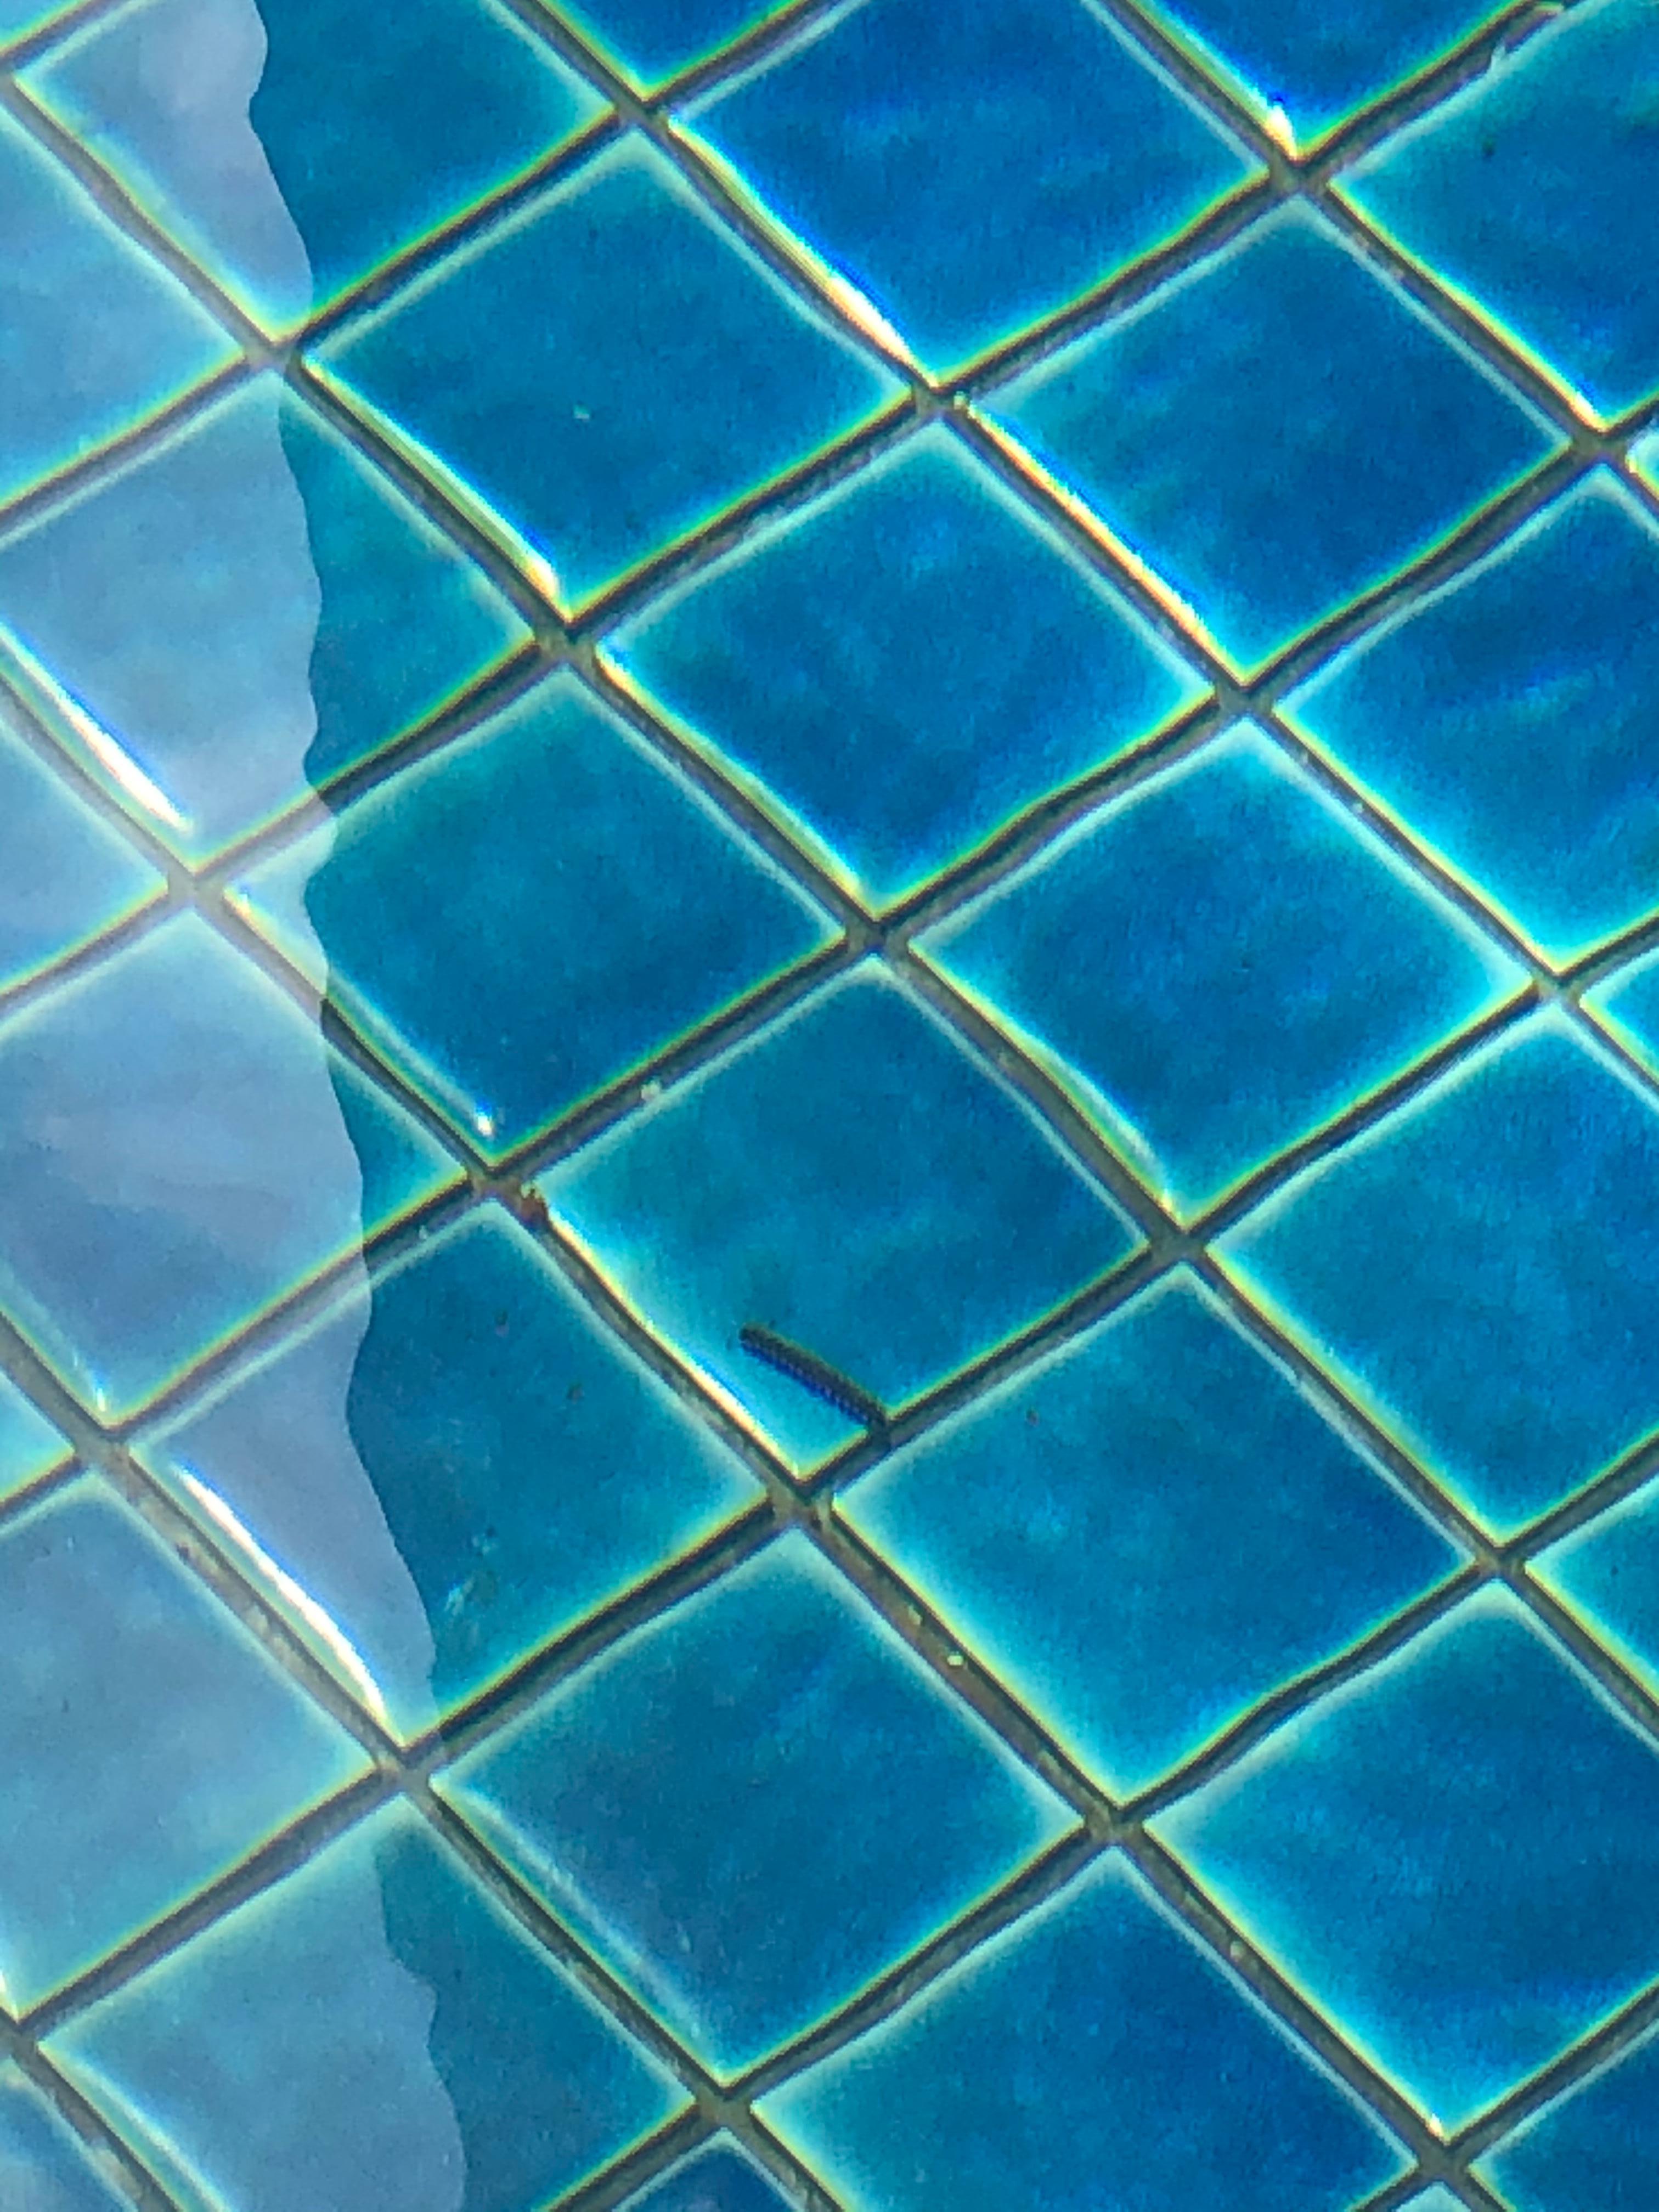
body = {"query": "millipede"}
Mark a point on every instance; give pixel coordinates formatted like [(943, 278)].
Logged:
[(815, 1374)]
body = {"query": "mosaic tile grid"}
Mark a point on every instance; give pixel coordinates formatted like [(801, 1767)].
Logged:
[(829, 1200)]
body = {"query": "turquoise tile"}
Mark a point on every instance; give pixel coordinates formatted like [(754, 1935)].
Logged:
[(875, 1808), (373, 2034), (970, 166), (1147, 1535), (1437, 2199), (29, 1445), (1627, 1003), (44, 2166), (651, 41), (1505, 721), (73, 289), (1091, 2055), (65, 877), (290, 201), (904, 666), (149, 1744), (520, 920), (1607, 1573), (1456, 1858), (717, 2180), (20, 17), (607, 371), (822, 1181), (1481, 1270), (1594, 2149), (179, 1150), (339, 618), (450, 1471), (1279, 430), (1306, 65), (1220, 963), (1519, 195)]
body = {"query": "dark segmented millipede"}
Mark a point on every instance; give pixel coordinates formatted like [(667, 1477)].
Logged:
[(815, 1374)]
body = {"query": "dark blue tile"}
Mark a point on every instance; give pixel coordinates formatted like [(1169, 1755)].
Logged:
[(1091, 2055), (874, 1809), (825, 1181), (297, 616), (1274, 433), (1220, 963), (1505, 721), (1147, 1535), (147, 1743), (968, 166), (449, 1472), (1627, 1004), (72, 288), (1306, 65), (1519, 196), (904, 666), (65, 877), (373, 2034), (1595, 2149), (1456, 1858), (1607, 1573), (1482, 1270), (29, 1445), (178, 1152), (44, 2166), (651, 41), (607, 371), (717, 2180), (521, 919), (330, 171)]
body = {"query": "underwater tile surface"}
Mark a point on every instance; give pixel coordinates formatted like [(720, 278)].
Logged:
[(44, 2167), (1595, 2149)]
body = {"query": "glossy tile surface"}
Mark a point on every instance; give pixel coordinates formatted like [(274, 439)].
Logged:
[(718, 2180), (1597, 2146), (43, 2167)]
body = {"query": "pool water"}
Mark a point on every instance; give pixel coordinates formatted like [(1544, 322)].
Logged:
[(830, 1106)]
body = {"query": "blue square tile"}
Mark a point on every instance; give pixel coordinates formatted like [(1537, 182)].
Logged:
[(607, 371), (823, 1181), (1627, 1006), (1307, 65), (73, 289), (179, 1150), (450, 1471), (290, 202), (1456, 1858), (1147, 1535), (298, 615), (1607, 1574), (1594, 2149), (968, 166), (374, 2035), (649, 41), (1481, 1270), (1274, 433), (719, 2179), (147, 1743), (1090, 2055), (875, 1809), (1217, 964), (1505, 721), (29, 1445), (904, 666), (66, 876), (520, 920), (44, 2164), (1519, 193)]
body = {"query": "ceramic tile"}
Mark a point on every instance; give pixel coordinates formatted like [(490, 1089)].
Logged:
[(875, 1809), (1454, 1857), (903, 667), (149, 1744), (1503, 722), (1627, 1005), (339, 619), (718, 2180), (821, 1182), (73, 289), (968, 169), (649, 41), (1144, 1536), (1219, 965), (1094, 2013), (65, 877), (44, 2166), (1607, 1573), (374, 2033), (1277, 431), (29, 1445), (1481, 1267), (1519, 194), (451, 1470), (1594, 2149), (607, 371), (478, 929), (287, 177), (179, 1150)]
